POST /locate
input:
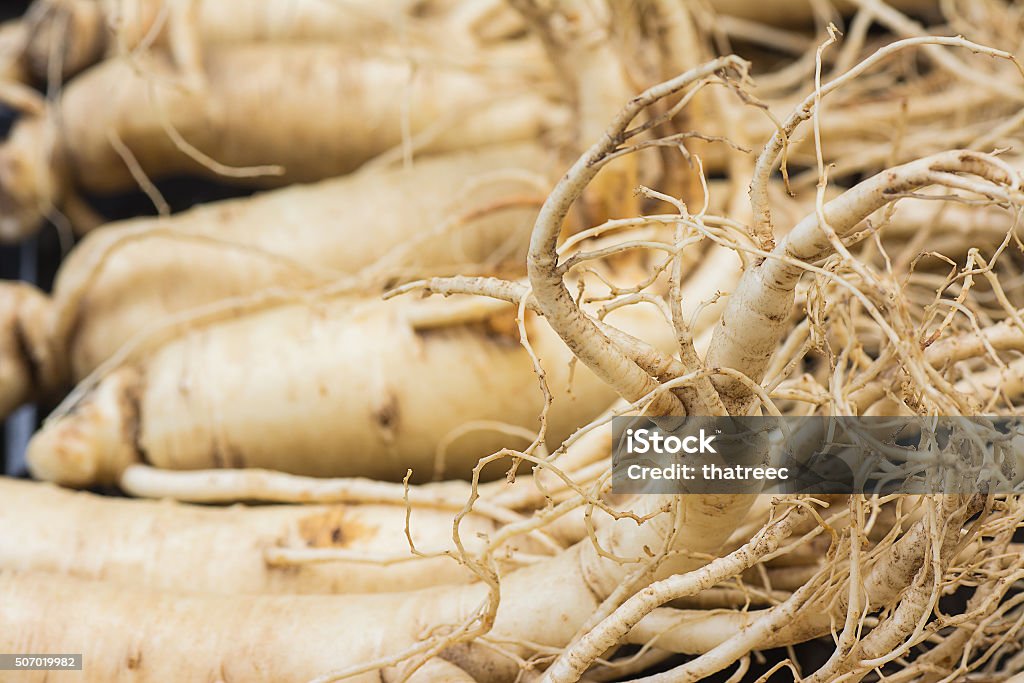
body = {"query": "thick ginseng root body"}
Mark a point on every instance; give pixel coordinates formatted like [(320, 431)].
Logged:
[(158, 636), (81, 32), (254, 111), (128, 278), (343, 388), (150, 637), (472, 207), (174, 547)]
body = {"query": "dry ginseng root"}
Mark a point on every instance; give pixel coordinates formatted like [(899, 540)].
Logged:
[(150, 268), (272, 390), (128, 121), (338, 548), (135, 276), (78, 33)]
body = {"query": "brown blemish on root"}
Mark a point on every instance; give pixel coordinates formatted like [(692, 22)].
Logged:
[(387, 414), (331, 529), (134, 660)]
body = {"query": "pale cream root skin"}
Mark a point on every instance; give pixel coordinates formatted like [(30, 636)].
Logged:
[(299, 638), (175, 547), (141, 636), (331, 397), (242, 117), (175, 636), (101, 444), (88, 30), (252, 111), (466, 207)]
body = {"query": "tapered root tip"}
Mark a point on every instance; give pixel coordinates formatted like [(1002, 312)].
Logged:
[(93, 443), (29, 362)]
